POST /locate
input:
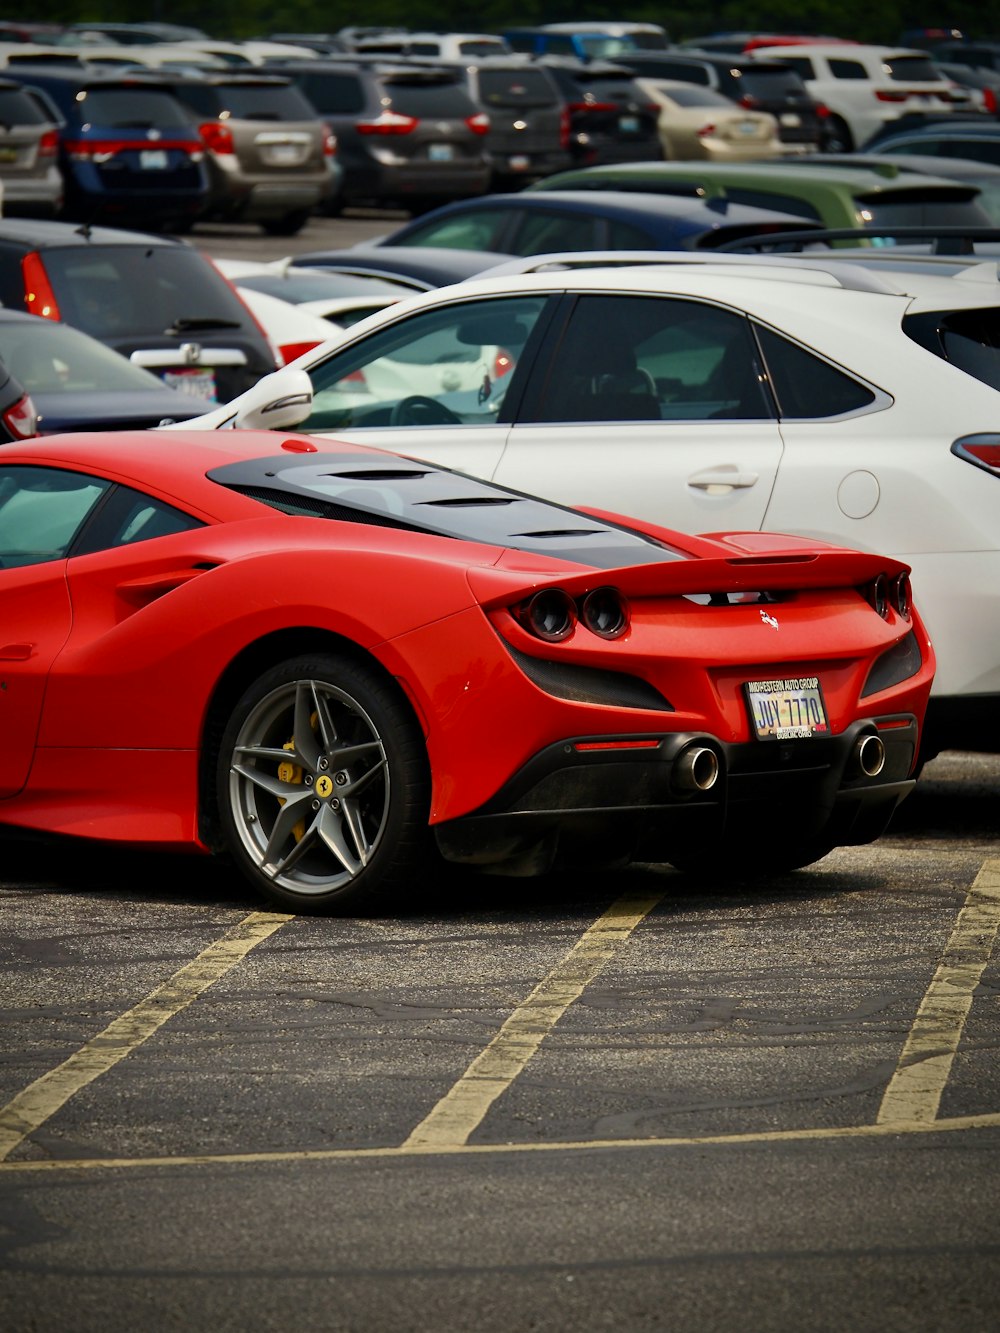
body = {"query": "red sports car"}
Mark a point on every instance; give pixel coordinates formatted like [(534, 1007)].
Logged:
[(334, 664)]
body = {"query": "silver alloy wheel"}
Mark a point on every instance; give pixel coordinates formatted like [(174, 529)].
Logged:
[(309, 787)]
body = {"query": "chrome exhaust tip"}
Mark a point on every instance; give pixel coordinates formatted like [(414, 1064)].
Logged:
[(869, 755), (696, 769)]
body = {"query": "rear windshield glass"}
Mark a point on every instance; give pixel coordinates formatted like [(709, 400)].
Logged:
[(130, 108), (919, 69), (918, 209), (689, 95), (969, 339), (17, 108), (122, 291), (423, 98), (334, 93), (251, 101), (520, 87)]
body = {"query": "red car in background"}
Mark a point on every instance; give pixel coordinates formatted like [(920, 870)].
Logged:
[(336, 664)]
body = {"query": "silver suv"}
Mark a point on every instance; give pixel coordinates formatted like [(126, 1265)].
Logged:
[(271, 159), (30, 181)]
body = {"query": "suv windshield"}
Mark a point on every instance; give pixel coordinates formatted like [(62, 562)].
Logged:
[(16, 108), (424, 98), (253, 101), (919, 69), (771, 83)]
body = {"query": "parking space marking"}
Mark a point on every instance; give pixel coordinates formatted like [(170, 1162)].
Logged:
[(819, 1134), (41, 1099), (462, 1109), (915, 1089)]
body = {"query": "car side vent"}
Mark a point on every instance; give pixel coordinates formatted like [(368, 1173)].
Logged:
[(307, 507), (566, 680)]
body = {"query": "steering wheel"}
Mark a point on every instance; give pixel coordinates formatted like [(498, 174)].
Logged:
[(418, 410)]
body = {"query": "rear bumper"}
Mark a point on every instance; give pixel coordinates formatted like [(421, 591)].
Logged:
[(572, 804)]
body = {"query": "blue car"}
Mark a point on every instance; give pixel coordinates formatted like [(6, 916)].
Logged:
[(532, 224), (128, 152)]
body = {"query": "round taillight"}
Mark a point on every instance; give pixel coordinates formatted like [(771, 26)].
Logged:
[(551, 615), (878, 595), (901, 595), (605, 613)]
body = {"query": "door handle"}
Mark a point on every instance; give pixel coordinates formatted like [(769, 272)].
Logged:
[(719, 480)]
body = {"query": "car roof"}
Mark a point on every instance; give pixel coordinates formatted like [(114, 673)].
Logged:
[(426, 264), (612, 203), (959, 129), (764, 172), (43, 233)]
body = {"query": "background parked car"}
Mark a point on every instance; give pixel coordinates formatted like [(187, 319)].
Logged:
[(529, 129), (18, 414), (755, 85), (976, 141), (406, 134), (29, 154), (699, 124), (865, 87), (610, 118), (152, 298), (128, 152), (271, 159), (77, 383)]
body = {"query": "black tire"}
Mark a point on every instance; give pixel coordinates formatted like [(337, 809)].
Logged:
[(323, 787), (289, 224)]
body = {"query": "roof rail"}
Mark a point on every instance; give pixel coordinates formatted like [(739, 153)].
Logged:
[(940, 240)]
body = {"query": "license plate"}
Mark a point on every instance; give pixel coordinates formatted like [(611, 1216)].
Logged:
[(284, 155), (153, 159), (785, 710), (519, 163), (791, 120), (628, 124), (748, 127), (198, 384), (440, 152), (8, 154)]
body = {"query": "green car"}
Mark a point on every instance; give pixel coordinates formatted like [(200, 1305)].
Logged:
[(835, 195)]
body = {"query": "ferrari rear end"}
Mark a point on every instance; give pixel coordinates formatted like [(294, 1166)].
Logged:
[(743, 710)]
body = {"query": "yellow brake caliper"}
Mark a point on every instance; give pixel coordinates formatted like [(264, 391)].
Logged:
[(288, 772)]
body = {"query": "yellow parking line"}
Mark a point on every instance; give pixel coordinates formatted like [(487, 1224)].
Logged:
[(459, 1112), (48, 1094), (818, 1134), (915, 1090)]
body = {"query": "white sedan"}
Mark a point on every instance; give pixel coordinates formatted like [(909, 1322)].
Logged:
[(793, 394)]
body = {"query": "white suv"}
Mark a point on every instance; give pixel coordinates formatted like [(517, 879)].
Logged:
[(866, 87), (798, 394)]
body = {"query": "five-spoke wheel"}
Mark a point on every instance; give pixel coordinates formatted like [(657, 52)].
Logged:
[(322, 785)]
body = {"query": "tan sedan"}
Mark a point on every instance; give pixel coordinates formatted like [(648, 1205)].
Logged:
[(699, 124)]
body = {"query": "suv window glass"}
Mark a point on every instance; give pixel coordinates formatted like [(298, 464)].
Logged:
[(969, 339), (802, 65), (124, 108), (847, 69), (423, 98), (128, 290), (515, 87), (41, 511), (55, 358), (334, 94), (461, 358), (920, 69), (804, 385), (16, 108), (263, 102), (638, 358), (692, 96)]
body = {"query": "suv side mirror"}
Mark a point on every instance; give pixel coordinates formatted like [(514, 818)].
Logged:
[(277, 402)]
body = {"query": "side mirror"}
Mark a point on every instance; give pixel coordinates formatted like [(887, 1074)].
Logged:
[(279, 401)]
